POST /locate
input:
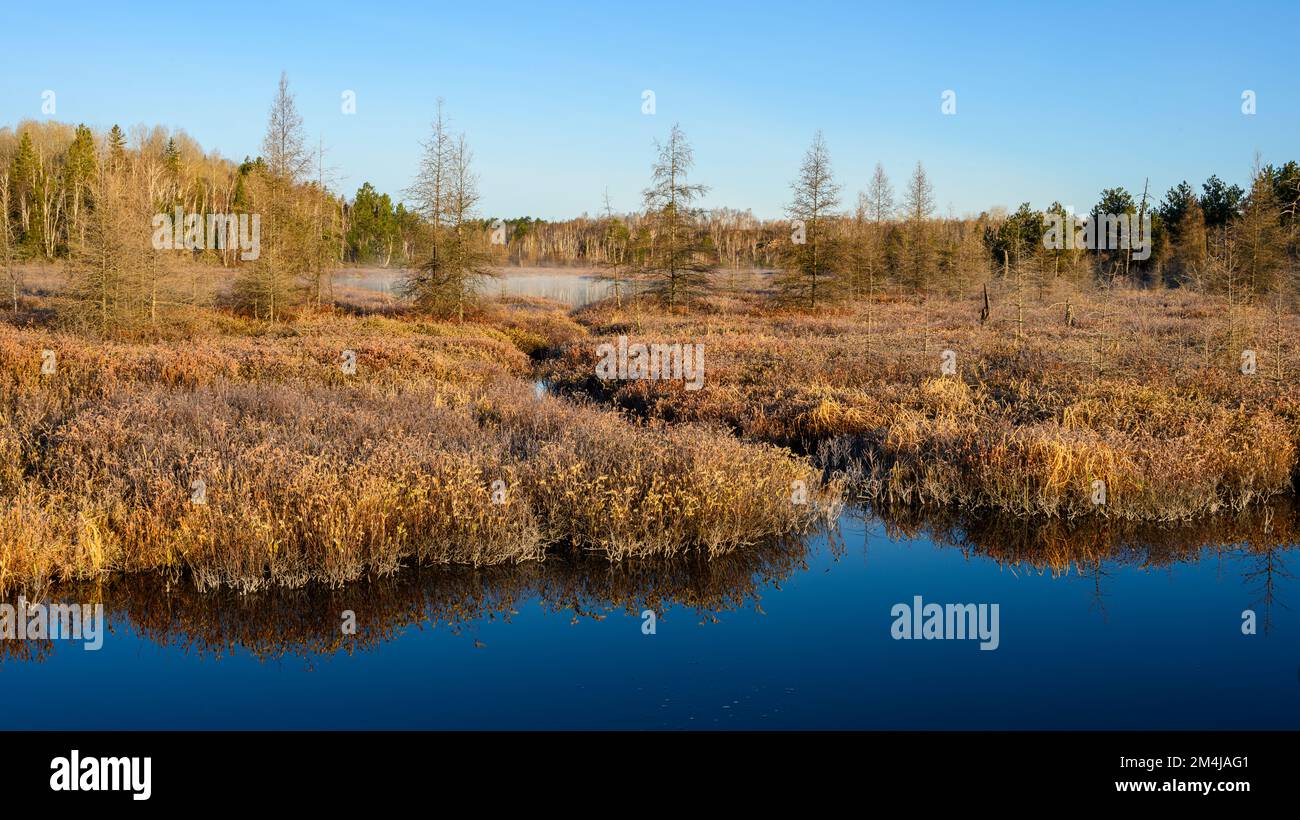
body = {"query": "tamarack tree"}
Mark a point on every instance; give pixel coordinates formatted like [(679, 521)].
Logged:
[(675, 266), (918, 208), (271, 285), (117, 278), (456, 257), (613, 263), (815, 256)]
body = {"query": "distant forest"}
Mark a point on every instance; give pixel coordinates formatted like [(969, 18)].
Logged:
[(70, 193)]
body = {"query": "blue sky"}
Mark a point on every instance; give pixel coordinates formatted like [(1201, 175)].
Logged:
[(1053, 102)]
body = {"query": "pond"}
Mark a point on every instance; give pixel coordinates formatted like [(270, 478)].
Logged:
[(1101, 627), (570, 286)]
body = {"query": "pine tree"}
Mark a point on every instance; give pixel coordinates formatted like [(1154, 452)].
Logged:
[(116, 147), (79, 171), (25, 177)]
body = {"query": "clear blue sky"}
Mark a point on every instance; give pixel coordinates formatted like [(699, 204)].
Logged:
[(1054, 101)]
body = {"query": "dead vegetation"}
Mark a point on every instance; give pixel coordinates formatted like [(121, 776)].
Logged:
[(1140, 390), (254, 457)]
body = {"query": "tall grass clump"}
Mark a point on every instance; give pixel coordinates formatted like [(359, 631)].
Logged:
[(1128, 393)]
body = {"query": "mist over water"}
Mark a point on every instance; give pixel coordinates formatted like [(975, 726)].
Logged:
[(574, 287)]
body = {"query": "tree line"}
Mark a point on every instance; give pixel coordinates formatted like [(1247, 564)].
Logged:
[(1220, 239), (68, 192)]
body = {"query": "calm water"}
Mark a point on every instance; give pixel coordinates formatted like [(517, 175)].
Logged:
[(573, 287), (792, 636)]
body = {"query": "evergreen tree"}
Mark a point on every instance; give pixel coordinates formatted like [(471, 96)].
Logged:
[(116, 147), (25, 178), (79, 171), (1220, 203)]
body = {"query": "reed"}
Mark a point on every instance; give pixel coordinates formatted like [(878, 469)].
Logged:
[(1119, 395), (435, 451)]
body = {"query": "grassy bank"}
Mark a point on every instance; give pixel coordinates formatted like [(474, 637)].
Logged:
[(1141, 390), (248, 456)]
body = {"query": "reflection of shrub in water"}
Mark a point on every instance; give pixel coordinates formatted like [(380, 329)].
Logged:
[(27, 651), (307, 621), (1059, 546)]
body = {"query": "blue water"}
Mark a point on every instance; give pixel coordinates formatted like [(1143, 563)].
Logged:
[(1120, 646)]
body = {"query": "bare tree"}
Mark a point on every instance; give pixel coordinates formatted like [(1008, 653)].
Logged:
[(12, 276), (918, 207), (879, 199), (615, 239), (319, 277)]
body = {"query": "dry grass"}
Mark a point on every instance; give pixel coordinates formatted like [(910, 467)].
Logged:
[(1143, 391), (314, 474)]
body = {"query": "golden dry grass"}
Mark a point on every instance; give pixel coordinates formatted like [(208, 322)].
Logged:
[(1143, 391), (315, 474)]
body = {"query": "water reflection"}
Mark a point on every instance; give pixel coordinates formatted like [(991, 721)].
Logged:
[(1257, 546), (1263, 538), (308, 622), (574, 287)]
